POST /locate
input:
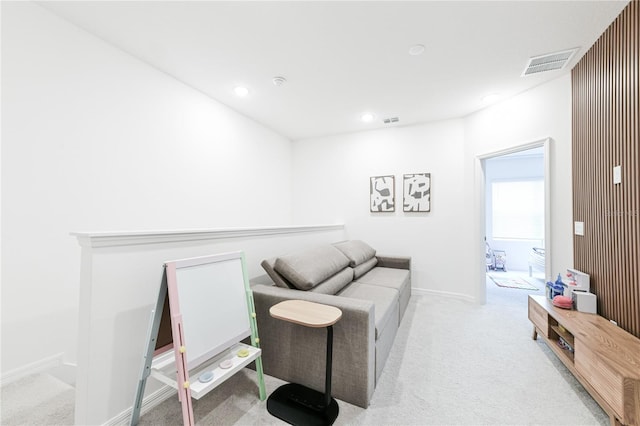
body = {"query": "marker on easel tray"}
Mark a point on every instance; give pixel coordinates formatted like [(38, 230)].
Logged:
[(206, 377)]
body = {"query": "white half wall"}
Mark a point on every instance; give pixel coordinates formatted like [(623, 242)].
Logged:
[(94, 139), (331, 184), (121, 275)]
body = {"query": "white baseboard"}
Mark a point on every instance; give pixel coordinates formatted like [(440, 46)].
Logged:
[(66, 373), (148, 403), (460, 296), (41, 366)]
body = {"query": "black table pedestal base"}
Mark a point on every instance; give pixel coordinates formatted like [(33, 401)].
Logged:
[(299, 405)]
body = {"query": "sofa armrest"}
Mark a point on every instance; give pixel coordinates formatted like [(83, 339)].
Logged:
[(296, 354), (397, 262)]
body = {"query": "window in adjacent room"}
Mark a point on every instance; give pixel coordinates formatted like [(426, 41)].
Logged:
[(518, 209)]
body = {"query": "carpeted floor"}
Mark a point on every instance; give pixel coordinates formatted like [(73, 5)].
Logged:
[(453, 363), (40, 399)]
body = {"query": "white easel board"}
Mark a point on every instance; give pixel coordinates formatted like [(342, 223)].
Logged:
[(210, 303), (208, 306)]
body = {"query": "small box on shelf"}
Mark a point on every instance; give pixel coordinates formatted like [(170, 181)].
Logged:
[(575, 280), (584, 301)]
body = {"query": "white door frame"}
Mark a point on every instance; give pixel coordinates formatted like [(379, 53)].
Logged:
[(481, 202)]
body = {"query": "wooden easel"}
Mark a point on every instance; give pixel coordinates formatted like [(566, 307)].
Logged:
[(220, 352)]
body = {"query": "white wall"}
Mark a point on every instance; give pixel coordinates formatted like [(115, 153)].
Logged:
[(331, 184), (542, 112), (95, 140)]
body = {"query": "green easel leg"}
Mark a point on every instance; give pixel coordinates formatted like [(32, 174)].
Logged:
[(263, 391)]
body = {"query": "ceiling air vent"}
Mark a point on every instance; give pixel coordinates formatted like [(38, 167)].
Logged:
[(391, 120), (548, 62)]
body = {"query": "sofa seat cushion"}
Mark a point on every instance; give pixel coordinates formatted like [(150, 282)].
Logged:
[(385, 302), (357, 251), (335, 283), (309, 268), (387, 277), (399, 279)]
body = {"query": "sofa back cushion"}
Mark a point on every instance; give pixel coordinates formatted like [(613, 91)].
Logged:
[(358, 252), (279, 280), (335, 283), (363, 268), (308, 268)]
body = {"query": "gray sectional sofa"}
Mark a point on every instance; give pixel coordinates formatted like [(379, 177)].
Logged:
[(372, 291)]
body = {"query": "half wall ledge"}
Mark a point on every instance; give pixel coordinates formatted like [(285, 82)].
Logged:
[(130, 238)]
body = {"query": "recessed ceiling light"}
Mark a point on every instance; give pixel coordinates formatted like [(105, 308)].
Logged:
[(416, 49), (367, 117), (241, 91)]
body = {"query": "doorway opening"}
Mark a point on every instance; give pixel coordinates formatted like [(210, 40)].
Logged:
[(515, 222)]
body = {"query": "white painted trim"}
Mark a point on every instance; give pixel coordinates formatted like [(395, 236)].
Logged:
[(511, 150), (148, 404), (547, 208), (480, 203), (128, 238), (40, 366), (480, 232), (427, 292), (66, 372)]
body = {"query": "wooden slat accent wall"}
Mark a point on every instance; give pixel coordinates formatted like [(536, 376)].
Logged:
[(606, 133)]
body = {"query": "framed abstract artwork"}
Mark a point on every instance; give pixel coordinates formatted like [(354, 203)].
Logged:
[(417, 192), (382, 193)]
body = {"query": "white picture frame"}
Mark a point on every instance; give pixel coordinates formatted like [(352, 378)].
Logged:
[(416, 192), (382, 194)]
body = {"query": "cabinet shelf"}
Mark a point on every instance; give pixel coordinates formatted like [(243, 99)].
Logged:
[(563, 352), (562, 332), (564, 341)]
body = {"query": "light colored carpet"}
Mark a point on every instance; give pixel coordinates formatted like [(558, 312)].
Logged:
[(40, 399), (453, 363)]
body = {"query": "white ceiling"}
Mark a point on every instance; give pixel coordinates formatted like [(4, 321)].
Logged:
[(343, 58)]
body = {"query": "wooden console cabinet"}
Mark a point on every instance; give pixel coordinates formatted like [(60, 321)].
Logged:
[(603, 357)]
